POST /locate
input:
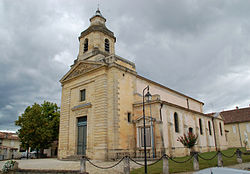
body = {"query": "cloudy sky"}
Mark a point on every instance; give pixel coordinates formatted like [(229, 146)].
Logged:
[(199, 48)]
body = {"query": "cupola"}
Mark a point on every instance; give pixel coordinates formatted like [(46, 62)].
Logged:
[(96, 38)]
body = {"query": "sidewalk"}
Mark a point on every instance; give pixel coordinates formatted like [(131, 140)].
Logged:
[(52, 163)]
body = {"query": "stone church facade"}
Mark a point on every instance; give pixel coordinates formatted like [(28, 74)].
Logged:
[(101, 106)]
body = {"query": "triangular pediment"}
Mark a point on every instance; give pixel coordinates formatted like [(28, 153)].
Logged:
[(220, 117), (81, 68), (147, 120)]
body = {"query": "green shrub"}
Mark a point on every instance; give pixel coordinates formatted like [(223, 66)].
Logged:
[(8, 166)]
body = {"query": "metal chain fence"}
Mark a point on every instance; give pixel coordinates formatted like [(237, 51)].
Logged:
[(208, 159), (166, 156), (181, 161), (156, 161), (100, 167), (228, 156)]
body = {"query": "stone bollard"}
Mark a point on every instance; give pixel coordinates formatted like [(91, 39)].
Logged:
[(83, 165), (238, 155), (165, 165), (196, 161), (220, 162), (126, 168)]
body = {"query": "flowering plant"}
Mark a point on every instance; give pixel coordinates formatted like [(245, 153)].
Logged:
[(188, 140)]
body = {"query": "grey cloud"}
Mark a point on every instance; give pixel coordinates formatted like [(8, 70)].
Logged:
[(200, 48)]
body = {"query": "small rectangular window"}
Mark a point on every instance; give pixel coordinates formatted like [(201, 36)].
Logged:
[(129, 117), (82, 95)]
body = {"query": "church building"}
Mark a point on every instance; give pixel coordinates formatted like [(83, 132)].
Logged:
[(102, 107)]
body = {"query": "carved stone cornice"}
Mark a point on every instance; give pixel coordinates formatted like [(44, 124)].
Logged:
[(81, 106), (100, 28), (79, 69)]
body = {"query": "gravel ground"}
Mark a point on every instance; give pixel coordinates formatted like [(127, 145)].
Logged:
[(52, 163)]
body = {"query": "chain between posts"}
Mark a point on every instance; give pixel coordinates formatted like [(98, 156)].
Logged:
[(181, 161), (245, 153), (148, 164), (109, 167), (207, 158), (100, 167), (156, 161), (136, 162), (228, 156)]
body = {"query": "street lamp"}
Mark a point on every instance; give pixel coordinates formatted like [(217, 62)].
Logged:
[(148, 98)]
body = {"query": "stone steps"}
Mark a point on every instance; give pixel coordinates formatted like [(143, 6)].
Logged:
[(72, 158)]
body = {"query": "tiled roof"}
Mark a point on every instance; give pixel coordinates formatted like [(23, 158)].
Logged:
[(236, 115), (8, 135)]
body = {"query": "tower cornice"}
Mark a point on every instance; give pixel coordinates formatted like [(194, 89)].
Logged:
[(100, 28)]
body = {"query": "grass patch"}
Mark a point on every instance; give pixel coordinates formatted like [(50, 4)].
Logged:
[(188, 166)]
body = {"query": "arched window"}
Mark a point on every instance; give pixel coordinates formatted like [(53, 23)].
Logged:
[(176, 122), (106, 45), (190, 130), (220, 129), (200, 124), (86, 45), (209, 128)]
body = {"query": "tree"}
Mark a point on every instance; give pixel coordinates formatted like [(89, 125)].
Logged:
[(39, 126)]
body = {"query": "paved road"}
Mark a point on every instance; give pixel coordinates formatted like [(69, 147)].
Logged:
[(52, 163)]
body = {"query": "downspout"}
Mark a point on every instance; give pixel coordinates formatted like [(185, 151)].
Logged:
[(215, 143), (161, 131), (240, 134)]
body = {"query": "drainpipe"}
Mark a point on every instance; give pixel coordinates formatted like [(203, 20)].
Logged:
[(240, 134), (215, 143)]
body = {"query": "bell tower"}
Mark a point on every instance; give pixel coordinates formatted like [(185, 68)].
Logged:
[(96, 39), (93, 90)]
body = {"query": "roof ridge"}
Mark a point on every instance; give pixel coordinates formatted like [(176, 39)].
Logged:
[(246, 108)]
